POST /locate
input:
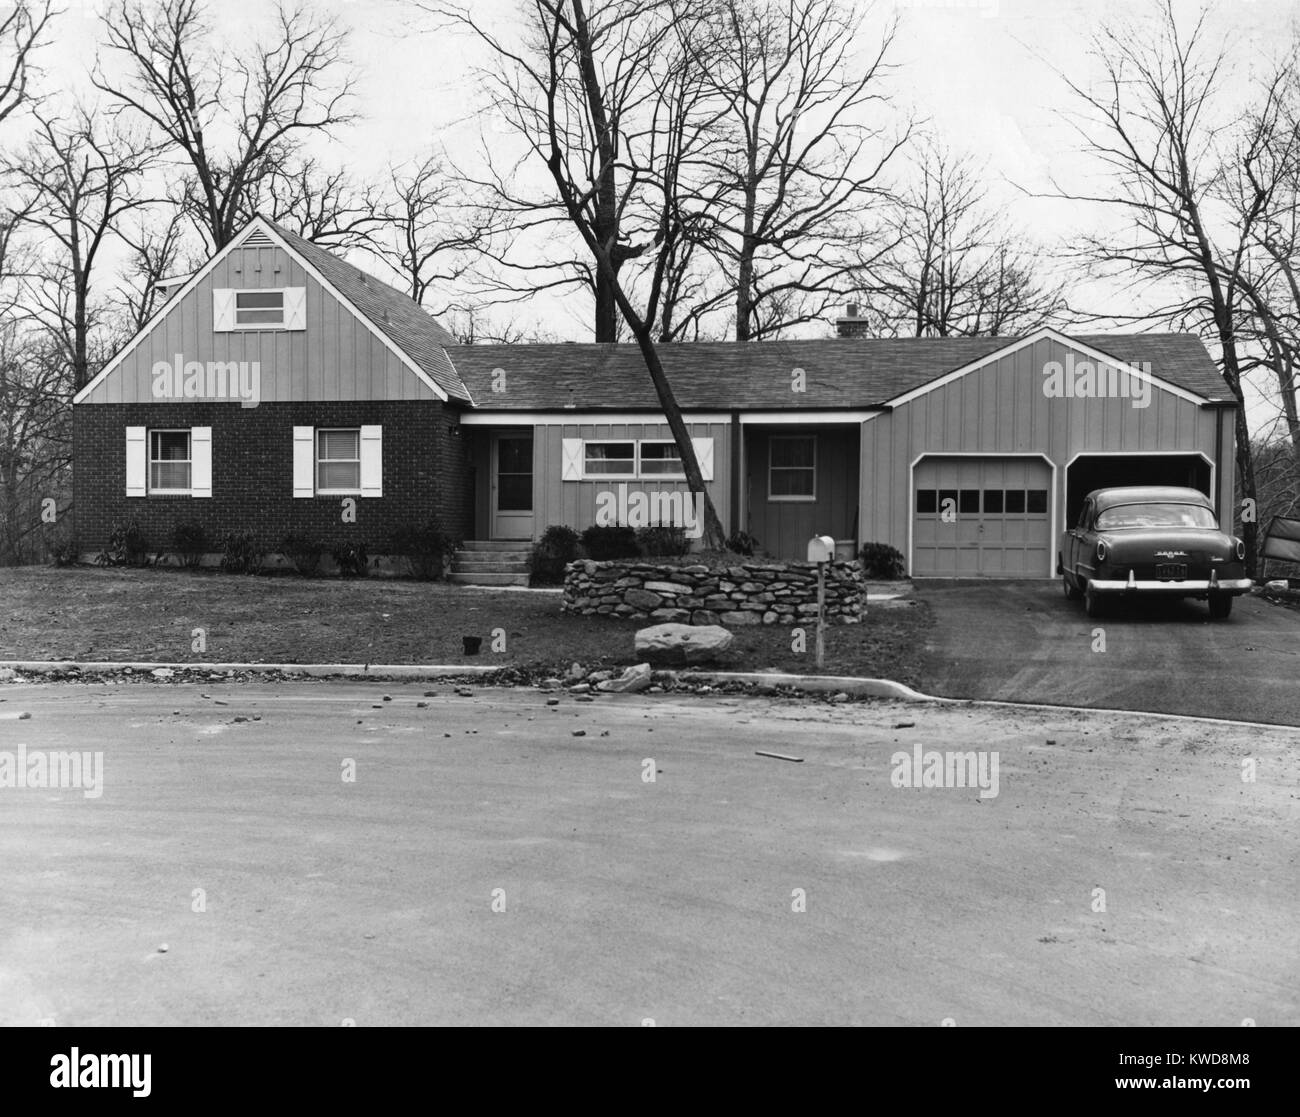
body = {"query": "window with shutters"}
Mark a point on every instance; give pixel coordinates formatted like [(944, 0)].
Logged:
[(632, 460), (338, 461), (169, 461)]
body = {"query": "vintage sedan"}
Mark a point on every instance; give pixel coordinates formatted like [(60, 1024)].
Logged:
[(1151, 540)]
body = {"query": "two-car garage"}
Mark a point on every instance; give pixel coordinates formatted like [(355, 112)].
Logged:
[(976, 473)]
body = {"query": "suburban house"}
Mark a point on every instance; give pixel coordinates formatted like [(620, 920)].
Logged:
[(279, 381)]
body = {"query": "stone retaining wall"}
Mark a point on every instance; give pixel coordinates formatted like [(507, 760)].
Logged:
[(750, 593)]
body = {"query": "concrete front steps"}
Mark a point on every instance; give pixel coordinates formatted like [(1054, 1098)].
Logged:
[(482, 562)]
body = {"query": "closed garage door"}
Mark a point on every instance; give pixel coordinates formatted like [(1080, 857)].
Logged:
[(981, 518)]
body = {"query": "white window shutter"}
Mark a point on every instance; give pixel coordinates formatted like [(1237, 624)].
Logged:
[(137, 461), (704, 455), (304, 461), (223, 309), (372, 461), (572, 460), (295, 308), (200, 461)]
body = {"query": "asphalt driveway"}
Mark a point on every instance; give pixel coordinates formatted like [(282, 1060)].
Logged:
[(487, 865), (1024, 642)]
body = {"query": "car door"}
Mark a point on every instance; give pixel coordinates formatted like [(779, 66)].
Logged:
[(1078, 539)]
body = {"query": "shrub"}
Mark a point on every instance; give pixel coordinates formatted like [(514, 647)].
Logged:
[(127, 546), (241, 553), (63, 550), (616, 541), (351, 559), (880, 560), (742, 543), (425, 550), (303, 551), (557, 548), (662, 541), (189, 542)]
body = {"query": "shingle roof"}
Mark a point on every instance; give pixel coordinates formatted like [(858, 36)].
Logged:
[(840, 372), (402, 320)]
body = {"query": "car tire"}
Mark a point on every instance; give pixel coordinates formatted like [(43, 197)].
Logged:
[(1220, 605), (1071, 590), (1093, 604)]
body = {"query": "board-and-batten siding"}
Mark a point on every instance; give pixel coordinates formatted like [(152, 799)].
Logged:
[(336, 357), (1002, 409), (783, 528), (573, 503)]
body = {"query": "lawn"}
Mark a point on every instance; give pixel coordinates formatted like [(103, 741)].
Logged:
[(87, 613)]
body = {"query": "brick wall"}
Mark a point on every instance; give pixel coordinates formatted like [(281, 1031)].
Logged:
[(426, 471)]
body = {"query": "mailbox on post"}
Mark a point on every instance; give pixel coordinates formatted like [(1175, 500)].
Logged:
[(821, 550)]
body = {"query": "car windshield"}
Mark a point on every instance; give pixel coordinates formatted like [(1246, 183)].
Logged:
[(1157, 515)]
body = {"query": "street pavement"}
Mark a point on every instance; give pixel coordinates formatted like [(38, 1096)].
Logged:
[(488, 866)]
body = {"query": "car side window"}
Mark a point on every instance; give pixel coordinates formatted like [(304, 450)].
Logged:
[(1085, 515)]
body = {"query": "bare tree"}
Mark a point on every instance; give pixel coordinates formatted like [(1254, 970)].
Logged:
[(326, 207), (1164, 150), (954, 268), (21, 28), (234, 119), (81, 179), (616, 108), (804, 154), (154, 249), (429, 231)]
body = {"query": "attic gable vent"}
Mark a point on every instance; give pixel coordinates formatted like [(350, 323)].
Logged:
[(256, 239)]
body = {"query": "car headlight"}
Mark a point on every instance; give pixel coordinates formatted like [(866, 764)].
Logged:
[(1101, 550), (1241, 551)]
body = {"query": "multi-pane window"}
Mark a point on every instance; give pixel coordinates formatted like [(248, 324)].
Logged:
[(338, 460), (169, 461), (632, 459), (660, 458), (792, 467), (259, 308), (992, 502), (609, 459)]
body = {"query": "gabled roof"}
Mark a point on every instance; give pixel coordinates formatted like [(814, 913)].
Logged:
[(838, 372), (399, 317)]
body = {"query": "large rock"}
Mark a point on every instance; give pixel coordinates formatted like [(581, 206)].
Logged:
[(632, 680), (673, 645), (643, 599)]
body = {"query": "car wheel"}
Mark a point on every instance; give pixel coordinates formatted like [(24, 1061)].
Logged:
[(1220, 605), (1071, 590), (1092, 601)]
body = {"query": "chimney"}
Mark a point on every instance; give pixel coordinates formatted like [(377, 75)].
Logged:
[(851, 325)]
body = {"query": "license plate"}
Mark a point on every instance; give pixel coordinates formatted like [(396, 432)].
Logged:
[(1171, 571)]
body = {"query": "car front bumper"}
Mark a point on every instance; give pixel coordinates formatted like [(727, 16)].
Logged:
[(1184, 588)]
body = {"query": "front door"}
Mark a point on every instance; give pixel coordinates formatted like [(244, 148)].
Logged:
[(512, 485)]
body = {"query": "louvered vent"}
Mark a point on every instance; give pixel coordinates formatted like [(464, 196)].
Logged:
[(256, 239)]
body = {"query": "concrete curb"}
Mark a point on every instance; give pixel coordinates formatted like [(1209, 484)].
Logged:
[(314, 670), (834, 684), (848, 684)]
